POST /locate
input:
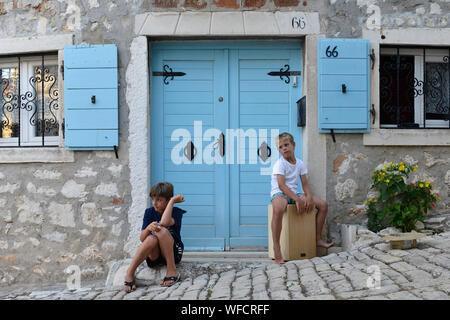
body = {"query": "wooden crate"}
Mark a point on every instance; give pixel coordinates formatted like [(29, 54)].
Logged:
[(298, 234)]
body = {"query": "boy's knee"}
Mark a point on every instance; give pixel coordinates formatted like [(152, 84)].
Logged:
[(278, 214), (164, 234), (150, 241), (322, 205)]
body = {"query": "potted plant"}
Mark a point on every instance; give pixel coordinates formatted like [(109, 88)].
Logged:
[(399, 203)]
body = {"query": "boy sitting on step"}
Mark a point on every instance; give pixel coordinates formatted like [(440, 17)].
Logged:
[(160, 236), (285, 173)]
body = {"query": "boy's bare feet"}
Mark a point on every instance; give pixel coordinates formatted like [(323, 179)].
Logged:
[(324, 244), (277, 255)]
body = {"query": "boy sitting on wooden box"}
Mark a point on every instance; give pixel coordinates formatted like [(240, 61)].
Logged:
[(285, 173)]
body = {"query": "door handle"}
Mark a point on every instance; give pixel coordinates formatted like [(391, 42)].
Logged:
[(221, 142), (266, 152), (190, 151)]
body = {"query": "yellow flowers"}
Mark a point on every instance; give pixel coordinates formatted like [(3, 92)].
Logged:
[(402, 202)]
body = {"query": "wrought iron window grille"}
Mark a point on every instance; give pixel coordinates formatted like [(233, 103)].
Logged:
[(29, 101), (414, 87)]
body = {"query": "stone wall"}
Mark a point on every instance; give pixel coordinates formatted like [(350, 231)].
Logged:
[(76, 213), (53, 216), (350, 165)]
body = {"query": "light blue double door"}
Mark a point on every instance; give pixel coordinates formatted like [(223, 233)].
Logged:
[(212, 133)]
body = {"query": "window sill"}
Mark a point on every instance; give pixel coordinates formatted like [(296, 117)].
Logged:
[(407, 137), (43, 155)]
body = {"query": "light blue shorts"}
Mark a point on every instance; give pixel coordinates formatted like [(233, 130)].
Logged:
[(290, 200)]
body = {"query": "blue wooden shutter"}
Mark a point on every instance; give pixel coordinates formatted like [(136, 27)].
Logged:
[(91, 97), (344, 85)]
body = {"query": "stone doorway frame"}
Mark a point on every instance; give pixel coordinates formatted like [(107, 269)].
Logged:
[(242, 25)]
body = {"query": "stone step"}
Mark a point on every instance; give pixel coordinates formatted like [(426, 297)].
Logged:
[(191, 266)]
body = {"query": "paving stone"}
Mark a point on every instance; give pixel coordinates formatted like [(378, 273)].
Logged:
[(302, 264), (418, 275), (387, 258), (444, 287), (134, 294), (340, 286), (331, 276), (368, 292), (119, 295), (430, 294), (375, 298), (259, 287), (395, 276), (402, 295), (322, 267), (321, 297), (402, 266), (441, 260), (261, 295), (221, 293), (332, 258), (280, 295), (190, 295)]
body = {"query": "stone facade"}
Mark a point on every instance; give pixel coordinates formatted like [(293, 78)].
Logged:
[(76, 211)]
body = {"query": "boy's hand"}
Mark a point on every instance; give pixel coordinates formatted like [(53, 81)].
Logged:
[(154, 227), (178, 198), (309, 204), (300, 204)]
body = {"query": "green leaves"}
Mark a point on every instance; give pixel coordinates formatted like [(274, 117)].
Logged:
[(399, 204)]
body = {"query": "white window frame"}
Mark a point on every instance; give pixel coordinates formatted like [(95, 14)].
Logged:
[(27, 66), (40, 45), (402, 137), (431, 55)]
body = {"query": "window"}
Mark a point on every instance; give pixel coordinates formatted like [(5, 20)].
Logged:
[(414, 87), (29, 108)]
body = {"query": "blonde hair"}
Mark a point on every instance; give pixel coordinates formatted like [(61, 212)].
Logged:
[(285, 135)]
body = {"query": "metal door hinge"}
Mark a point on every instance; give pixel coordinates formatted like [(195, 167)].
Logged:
[(168, 72), (372, 58), (61, 68), (372, 112), (285, 73)]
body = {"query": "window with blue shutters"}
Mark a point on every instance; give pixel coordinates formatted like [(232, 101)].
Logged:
[(344, 85), (91, 97)]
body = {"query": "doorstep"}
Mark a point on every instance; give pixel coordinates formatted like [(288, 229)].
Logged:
[(193, 264), (225, 256)]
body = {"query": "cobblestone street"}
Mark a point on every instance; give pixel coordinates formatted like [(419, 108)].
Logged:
[(371, 272)]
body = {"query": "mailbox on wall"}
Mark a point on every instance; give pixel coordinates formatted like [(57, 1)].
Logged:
[(301, 112)]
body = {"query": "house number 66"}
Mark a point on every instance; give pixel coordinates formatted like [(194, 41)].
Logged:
[(331, 53), (298, 23)]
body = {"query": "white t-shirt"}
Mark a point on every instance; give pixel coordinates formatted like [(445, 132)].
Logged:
[(291, 173)]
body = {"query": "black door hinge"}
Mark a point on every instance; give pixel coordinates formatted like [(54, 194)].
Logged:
[(61, 68), (285, 73)]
